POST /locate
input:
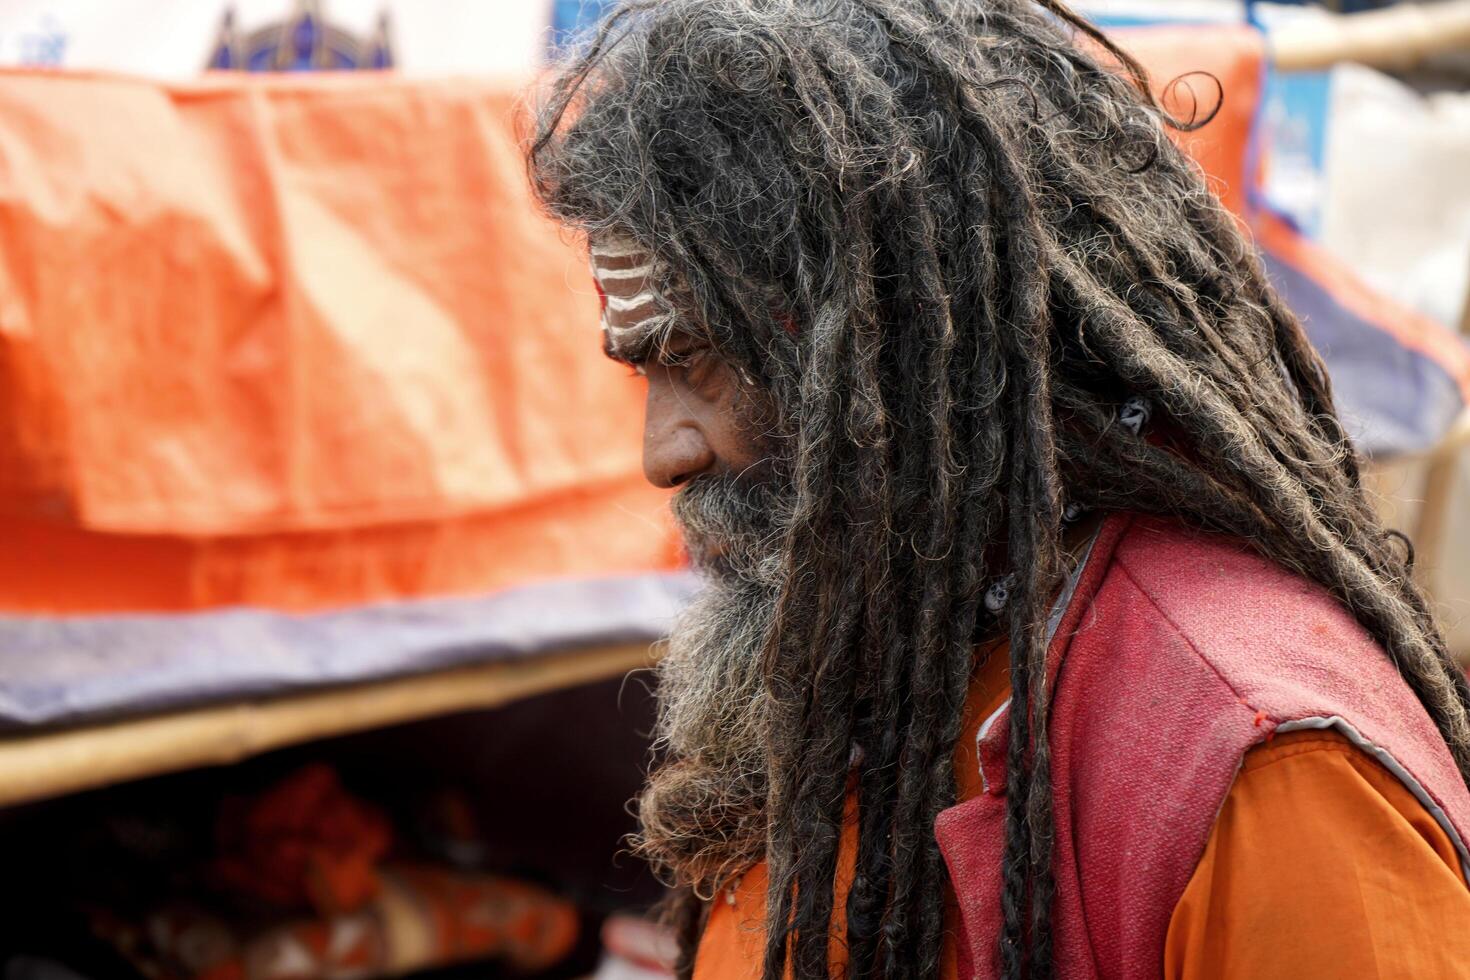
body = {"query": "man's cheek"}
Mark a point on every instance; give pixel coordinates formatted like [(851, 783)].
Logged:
[(752, 437)]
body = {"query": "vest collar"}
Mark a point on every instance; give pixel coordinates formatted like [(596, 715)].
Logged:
[(993, 738)]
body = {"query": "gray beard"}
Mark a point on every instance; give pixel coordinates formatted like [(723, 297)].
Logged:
[(702, 810), (711, 688)]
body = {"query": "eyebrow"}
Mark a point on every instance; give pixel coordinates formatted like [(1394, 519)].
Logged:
[(634, 353), (642, 349)]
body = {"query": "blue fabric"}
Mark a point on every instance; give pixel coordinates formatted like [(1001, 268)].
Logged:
[(1393, 399), (60, 670), (573, 18)]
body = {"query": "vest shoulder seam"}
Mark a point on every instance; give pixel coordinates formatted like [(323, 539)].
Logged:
[(1307, 742), (1122, 565)]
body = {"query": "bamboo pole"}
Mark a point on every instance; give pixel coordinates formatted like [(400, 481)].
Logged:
[(1398, 37), (1434, 508), (51, 764), (1439, 486)]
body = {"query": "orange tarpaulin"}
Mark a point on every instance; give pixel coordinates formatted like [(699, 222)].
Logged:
[(295, 342), (1192, 80)]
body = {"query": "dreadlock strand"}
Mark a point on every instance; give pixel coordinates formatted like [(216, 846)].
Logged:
[(1352, 577)]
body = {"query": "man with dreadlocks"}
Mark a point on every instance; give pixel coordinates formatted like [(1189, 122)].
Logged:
[(1049, 630)]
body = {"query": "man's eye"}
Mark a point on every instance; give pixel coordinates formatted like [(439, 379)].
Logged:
[(681, 359), (673, 358), (697, 366), (692, 366)]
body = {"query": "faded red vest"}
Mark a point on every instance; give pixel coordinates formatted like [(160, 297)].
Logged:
[(1176, 652)]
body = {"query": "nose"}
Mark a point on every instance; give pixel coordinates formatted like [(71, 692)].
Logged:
[(675, 449)]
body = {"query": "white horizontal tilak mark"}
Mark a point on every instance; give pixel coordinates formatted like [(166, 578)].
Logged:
[(622, 304), (637, 272), (615, 249)]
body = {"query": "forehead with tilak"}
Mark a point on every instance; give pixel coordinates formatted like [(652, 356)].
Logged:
[(637, 319)]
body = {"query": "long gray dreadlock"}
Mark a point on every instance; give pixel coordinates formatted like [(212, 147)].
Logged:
[(946, 237)]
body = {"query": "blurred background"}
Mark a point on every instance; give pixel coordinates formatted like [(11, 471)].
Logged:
[(328, 576)]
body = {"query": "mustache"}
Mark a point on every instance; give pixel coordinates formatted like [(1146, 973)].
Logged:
[(732, 525)]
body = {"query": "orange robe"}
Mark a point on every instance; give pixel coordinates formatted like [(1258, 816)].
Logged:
[(1320, 866)]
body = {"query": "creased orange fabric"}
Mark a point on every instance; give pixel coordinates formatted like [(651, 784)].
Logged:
[(734, 937), (296, 342), (1321, 866)]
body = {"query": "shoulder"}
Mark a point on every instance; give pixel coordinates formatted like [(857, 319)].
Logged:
[(1191, 650), (1335, 796), (1185, 660), (1223, 595), (1215, 616), (1309, 819)]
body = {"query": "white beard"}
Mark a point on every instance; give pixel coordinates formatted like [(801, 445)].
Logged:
[(702, 811)]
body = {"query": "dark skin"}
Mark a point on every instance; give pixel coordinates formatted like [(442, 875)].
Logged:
[(695, 422), (693, 419)]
